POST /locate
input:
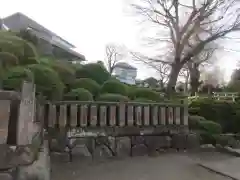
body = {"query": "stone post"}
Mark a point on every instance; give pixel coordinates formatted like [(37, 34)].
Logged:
[(8, 116), (26, 126)]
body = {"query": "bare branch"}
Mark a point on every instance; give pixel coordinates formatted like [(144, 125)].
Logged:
[(162, 67), (191, 26), (113, 55)]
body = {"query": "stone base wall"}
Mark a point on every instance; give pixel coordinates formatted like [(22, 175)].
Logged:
[(40, 169), (141, 144)]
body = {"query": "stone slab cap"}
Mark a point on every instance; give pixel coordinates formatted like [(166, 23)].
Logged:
[(9, 95)]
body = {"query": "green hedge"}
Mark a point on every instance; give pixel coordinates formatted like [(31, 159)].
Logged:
[(112, 98), (79, 94), (114, 87), (86, 83)]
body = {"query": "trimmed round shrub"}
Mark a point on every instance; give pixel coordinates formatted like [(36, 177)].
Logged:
[(112, 98), (14, 77), (114, 87), (64, 70), (30, 55), (146, 94), (207, 138), (86, 83), (193, 111), (131, 91), (179, 96), (47, 81), (143, 100), (79, 94), (225, 113), (210, 127), (94, 71), (8, 60)]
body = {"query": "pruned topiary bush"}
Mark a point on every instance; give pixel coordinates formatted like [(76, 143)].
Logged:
[(146, 93), (8, 60), (143, 100), (227, 114), (14, 77), (64, 70), (208, 130), (94, 71), (210, 126), (79, 94), (112, 98), (207, 138), (193, 122), (47, 81), (114, 87), (86, 83)]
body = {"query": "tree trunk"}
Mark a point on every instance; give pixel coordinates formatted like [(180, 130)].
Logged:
[(173, 77), (194, 78), (194, 89), (186, 83)]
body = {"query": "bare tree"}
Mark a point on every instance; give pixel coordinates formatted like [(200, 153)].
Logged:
[(113, 55), (194, 72), (185, 21), (162, 68)]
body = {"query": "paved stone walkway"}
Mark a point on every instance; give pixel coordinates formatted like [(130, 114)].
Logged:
[(228, 167), (170, 166)]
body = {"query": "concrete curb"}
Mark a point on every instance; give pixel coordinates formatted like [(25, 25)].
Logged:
[(217, 172)]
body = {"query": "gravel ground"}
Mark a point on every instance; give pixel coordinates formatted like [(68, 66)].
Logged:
[(167, 166)]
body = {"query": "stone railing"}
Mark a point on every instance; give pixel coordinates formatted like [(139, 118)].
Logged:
[(109, 114), (225, 95), (217, 95)]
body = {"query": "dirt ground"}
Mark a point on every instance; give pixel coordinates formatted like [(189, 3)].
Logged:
[(166, 166)]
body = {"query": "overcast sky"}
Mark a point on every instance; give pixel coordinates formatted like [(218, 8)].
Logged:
[(91, 24)]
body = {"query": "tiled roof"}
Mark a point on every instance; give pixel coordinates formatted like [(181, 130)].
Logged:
[(31, 23)]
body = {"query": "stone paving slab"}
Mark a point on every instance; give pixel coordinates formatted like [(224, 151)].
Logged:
[(166, 166), (229, 167)]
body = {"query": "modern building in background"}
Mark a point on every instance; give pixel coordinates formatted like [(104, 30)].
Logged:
[(125, 73), (49, 43)]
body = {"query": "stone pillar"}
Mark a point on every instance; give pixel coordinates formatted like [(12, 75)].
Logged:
[(185, 112), (8, 116), (26, 126)]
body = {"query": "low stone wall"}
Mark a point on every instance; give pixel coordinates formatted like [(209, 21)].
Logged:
[(148, 144)]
